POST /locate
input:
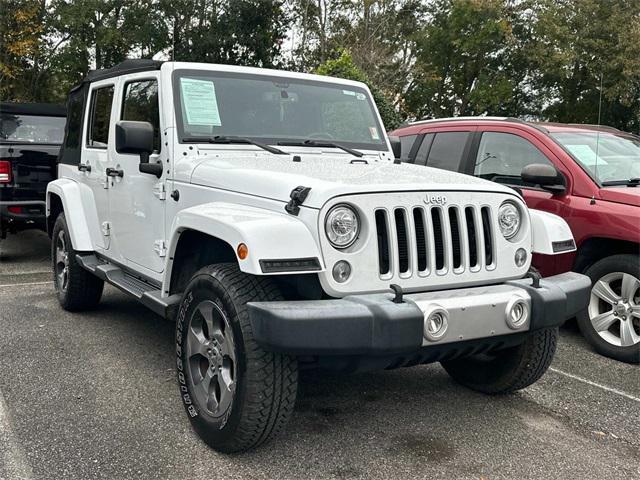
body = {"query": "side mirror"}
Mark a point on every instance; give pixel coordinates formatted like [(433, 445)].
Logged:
[(396, 146), (546, 176), (137, 137)]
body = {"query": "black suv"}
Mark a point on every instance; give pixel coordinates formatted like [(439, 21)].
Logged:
[(30, 139)]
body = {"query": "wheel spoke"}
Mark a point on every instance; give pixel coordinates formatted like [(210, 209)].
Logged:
[(630, 285), (603, 291), (628, 335), (59, 255), (603, 321), (635, 311), (196, 343), (226, 387)]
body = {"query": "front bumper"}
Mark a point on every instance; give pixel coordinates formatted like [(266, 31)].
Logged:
[(375, 325)]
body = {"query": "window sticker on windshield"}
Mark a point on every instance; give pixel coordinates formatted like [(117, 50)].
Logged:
[(374, 133), (586, 155), (200, 102), (349, 92)]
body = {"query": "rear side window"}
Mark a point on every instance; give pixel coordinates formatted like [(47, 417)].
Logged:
[(447, 150), (74, 121), (423, 151), (406, 143), (502, 156), (141, 104), (100, 115)]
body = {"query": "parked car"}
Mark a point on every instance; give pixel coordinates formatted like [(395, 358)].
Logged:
[(588, 175), (30, 138), (263, 210)]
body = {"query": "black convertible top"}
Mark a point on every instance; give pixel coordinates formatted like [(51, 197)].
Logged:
[(44, 109), (78, 96)]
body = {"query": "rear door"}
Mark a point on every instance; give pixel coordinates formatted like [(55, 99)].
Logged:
[(445, 147)]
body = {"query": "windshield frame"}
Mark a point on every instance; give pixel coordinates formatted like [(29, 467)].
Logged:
[(584, 168), (177, 74)]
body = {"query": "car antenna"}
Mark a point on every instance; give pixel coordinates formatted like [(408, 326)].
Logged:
[(598, 130)]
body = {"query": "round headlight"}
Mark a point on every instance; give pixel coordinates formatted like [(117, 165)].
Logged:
[(342, 226), (509, 219)]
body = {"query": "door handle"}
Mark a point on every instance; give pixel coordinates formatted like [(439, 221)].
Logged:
[(114, 172), (84, 167)]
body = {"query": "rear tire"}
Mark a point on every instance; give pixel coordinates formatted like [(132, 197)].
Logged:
[(508, 370), (236, 394), (76, 288), (614, 279)]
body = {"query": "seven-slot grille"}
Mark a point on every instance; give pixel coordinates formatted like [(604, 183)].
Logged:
[(428, 240)]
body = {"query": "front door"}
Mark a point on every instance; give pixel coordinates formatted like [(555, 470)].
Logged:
[(137, 199)]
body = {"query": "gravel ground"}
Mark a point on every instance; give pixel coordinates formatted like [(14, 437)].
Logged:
[(93, 395)]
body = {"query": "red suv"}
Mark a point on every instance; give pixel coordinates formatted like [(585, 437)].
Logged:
[(588, 175)]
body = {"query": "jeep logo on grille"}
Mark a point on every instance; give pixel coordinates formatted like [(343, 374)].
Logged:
[(435, 200)]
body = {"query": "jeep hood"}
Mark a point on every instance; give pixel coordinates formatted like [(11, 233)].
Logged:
[(274, 176)]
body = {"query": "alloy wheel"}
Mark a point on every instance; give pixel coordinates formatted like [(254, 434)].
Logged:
[(614, 308), (62, 261), (211, 358)]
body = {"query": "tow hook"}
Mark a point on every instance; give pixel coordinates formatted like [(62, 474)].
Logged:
[(534, 275), (298, 196), (397, 290)]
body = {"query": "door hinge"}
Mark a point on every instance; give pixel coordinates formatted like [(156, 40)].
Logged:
[(106, 229), (160, 247), (160, 191)]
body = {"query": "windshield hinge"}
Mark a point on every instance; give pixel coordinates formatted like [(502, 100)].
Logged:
[(160, 247), (160, 191), (298, 196)]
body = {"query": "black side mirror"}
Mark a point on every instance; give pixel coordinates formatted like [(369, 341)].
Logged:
[(546, 176), (396, 146), (137, 137)]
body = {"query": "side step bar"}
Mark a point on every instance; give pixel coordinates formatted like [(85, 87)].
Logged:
[(148, 294)]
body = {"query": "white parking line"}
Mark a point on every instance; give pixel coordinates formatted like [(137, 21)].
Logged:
[(594, 384), (23, 284), (13, 459)]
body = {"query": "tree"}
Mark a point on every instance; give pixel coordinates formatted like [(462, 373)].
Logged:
[(344, 67)]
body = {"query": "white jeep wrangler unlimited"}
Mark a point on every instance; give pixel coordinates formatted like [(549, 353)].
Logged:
[(265, 213)]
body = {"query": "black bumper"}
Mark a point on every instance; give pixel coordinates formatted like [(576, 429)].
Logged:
[(32, 213), (374, 325)]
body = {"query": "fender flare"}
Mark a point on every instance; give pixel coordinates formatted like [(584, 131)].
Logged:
[(550, 234), (268, 235), (71, 197)]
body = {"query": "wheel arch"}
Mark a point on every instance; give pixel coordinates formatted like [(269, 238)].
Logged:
[(64, 195), (211, 233), (596, 248)]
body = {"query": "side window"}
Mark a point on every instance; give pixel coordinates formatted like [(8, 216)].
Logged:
[(447, 150), (405, 146), (423, 151), (141, 105), (100, 115), (502, 156), (74, 121)]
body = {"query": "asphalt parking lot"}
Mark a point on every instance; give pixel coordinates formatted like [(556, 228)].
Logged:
[(93, 395)]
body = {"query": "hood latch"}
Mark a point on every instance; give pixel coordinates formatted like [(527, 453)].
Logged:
[(298, 196)]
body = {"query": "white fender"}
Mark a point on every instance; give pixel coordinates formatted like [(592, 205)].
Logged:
[(268, 235), (551, 235), (74, 211)]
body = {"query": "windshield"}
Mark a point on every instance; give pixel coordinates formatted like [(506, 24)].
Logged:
[(618, 156), (31, 128), (274, 109)]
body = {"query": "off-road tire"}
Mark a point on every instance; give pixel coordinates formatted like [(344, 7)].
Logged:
[(616, 263), (508, 370), (83, 290), (265, 382)]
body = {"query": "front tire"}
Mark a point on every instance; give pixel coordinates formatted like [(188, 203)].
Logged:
[(236, 394), (508, 370), (611, 323), (76, 288)]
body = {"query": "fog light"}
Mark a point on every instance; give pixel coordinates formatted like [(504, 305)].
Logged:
[(341, 271), (517, 313), (521, 257), (436, 323)]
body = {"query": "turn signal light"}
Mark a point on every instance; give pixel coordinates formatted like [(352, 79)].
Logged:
[(5, 171), (243, 251)]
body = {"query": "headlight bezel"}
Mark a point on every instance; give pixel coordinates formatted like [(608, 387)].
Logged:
[(327, 226), (520, 219)]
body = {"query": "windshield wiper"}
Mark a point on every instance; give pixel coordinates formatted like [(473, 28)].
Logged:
[(632, 182), (232, 140), (314, 143)]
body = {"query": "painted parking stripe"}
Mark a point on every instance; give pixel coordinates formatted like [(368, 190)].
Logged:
[(13, 459), (597, 385), (23, 284)]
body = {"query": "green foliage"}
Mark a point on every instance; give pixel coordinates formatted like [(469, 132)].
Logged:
[(343, 67)]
